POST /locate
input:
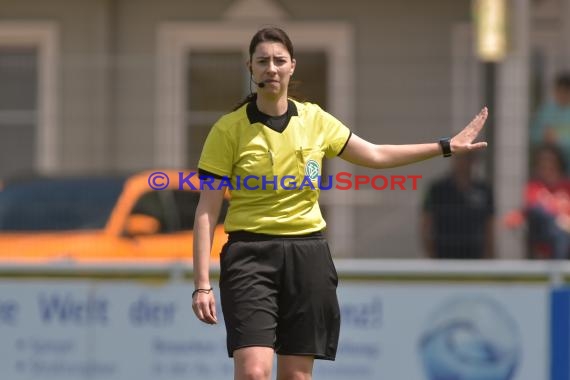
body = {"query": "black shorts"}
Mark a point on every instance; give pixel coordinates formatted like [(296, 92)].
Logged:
[(280, 292)]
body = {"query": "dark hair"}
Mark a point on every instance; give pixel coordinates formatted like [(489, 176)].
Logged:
[(272, 34), (555, 151), (563, 80)]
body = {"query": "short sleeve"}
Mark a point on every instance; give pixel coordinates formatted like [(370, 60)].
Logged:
[(336, 134), (217, 153)]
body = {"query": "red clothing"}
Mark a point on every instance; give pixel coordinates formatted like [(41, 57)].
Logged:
[(553, 199)]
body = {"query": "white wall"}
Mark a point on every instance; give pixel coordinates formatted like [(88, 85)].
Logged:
[(403, 88)]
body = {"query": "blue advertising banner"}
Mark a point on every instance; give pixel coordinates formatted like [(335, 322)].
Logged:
[(434, 332), (77, 330), (560, 334), (112, 331)]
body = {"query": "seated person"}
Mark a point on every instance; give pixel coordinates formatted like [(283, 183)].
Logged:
[(547, 206)]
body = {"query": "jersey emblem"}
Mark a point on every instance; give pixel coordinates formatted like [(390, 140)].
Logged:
[(312, 169)]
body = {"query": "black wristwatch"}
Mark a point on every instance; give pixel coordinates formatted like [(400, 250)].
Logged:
[(445, 146)]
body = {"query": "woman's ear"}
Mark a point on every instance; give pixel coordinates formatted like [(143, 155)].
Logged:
[(248, 64), (293, 64)]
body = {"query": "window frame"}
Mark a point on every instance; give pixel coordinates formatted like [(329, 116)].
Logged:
[(44, 36)]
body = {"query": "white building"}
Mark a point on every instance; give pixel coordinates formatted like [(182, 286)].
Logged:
[(92, 85)]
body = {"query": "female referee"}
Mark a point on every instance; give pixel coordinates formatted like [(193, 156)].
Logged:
[(278, 281)]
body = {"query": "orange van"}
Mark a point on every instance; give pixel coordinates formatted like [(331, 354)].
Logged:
[(99, 219)]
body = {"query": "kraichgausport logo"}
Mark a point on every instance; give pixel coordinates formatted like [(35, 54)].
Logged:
[(312, 180)]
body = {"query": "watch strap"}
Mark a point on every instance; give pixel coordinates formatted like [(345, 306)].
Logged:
[(445, 145)]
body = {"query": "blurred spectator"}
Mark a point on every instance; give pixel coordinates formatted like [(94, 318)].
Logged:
[(546, 206), (552, 121), (457, 220)]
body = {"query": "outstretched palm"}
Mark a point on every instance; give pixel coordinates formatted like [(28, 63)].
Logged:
[(463, 141)]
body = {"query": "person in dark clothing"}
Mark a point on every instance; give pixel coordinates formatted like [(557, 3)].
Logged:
[(457, 220)]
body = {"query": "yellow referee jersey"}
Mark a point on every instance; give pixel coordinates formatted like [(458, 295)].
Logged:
[(273, 176)]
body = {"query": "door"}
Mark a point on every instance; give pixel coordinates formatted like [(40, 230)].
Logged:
[(201, 75), (217, 80)]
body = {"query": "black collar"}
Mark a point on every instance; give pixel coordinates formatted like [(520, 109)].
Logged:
[(256, 116)]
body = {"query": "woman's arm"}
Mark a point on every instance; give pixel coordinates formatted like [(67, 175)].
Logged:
[(363, 153), (205, 221)]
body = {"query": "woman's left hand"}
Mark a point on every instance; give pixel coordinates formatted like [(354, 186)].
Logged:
[(463, 141)]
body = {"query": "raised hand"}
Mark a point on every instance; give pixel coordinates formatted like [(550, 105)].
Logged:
[(463, 141)]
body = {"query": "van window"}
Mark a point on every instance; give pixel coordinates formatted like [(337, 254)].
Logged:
[(58, 204), (174, 209)]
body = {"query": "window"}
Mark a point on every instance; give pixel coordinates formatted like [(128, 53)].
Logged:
[(28, 97), (174, 209), (207, 73), (186, 204), (51, 204), (18, 104)]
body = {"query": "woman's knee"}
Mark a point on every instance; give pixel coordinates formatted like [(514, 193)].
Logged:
[(254, 372), (253, 363), (295, 375), (295, 367)]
